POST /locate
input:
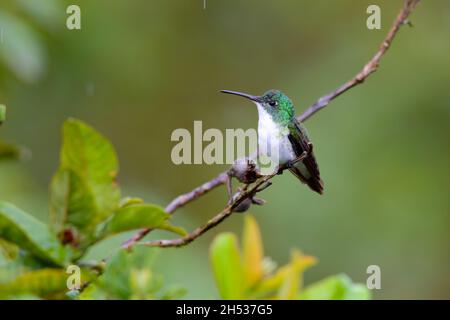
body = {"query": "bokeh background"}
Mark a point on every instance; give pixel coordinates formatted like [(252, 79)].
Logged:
[(140, 69)]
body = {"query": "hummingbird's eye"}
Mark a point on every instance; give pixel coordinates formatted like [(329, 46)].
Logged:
[(273, 103)]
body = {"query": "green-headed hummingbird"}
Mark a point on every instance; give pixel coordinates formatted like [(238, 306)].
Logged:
[(279, 130)]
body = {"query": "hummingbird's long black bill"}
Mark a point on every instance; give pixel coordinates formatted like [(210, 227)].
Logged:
[(241, 94)]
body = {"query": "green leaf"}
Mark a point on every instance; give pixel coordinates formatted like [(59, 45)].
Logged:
[(92, 292), (338, 287), (253, 252), (92, 157), (293, 279), (15, 261), (127, 275), (115, 279), (4, 260), (286, 282), (128, 201), (227, 266), (139, 216), (8, 252), (136, 217), (358, 291), (42, 283), (30, 234), (72, 202), (175, 229), (84, 191), (50, 283), (174, 292)]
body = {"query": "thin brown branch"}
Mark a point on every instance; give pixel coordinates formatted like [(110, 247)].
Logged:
[(370, 67), (217, 219), (184, 199), (181, 201)]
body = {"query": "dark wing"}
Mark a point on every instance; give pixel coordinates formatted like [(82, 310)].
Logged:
[(307, 170)]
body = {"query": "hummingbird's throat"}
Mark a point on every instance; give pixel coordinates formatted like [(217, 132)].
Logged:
[(273, 141)]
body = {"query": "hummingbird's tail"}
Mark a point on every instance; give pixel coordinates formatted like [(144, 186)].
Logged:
[(313, 182), (306, 170)]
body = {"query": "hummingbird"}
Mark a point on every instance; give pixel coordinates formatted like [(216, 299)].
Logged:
[(279, 130)]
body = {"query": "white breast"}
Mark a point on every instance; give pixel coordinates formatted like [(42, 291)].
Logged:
[(273, 140)]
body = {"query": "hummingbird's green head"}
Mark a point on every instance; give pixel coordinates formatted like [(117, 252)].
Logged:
[(274, 102)]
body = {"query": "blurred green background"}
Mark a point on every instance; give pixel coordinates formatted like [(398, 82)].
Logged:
[(140, 69)]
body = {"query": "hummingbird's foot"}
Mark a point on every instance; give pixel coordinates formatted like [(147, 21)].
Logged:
[(280, 170), (291, 163)]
